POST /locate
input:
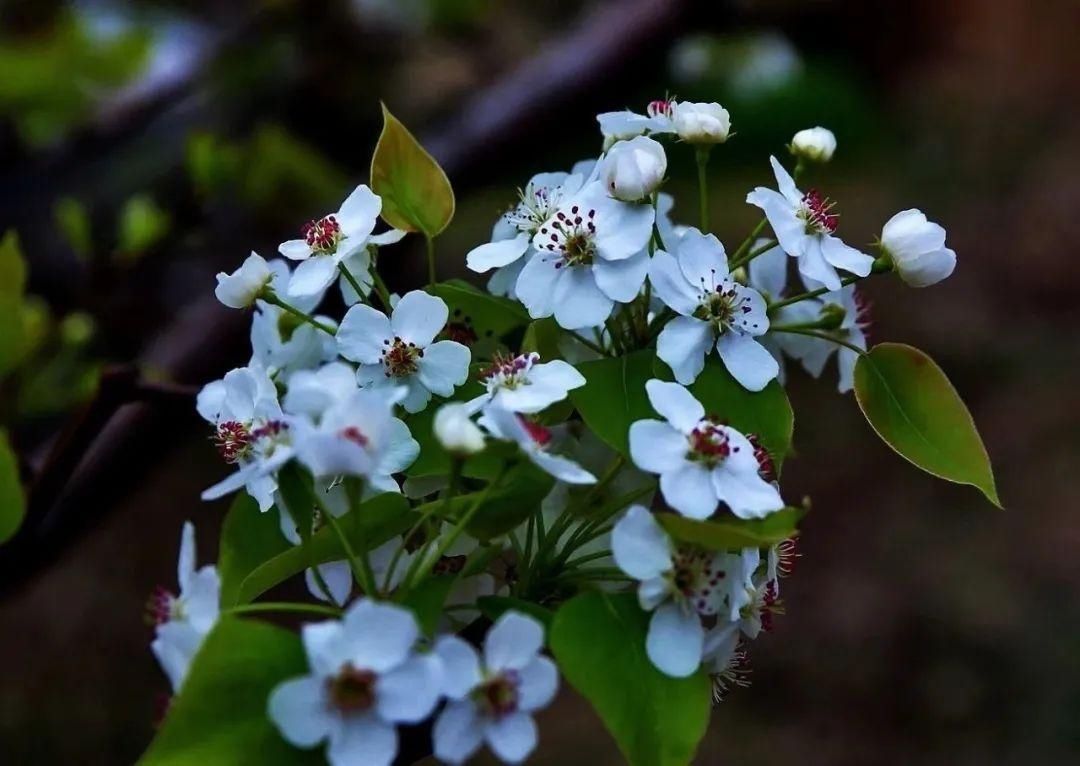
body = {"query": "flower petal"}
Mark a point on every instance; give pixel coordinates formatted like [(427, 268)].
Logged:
[(338, 578), (622, 280), (656, 447), (363, 334), (670, 285), (358, 212), (640, 546), (563, 469), (675, 404), (748, 361), (702, 258), (408, 693), (494, 255), (457, 733), (443, 366), (513, 642), (363, 740), (675, 640), (845, 257), (535, 286), (512, 737), (298, 709), (538, 684), (380, 636), (312, 276), (295, 249), (689, 490), (418, 317), (461, 666), (683, 344), (578, 300)]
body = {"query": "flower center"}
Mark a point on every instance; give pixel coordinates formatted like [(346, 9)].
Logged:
[(695, 578), (400, 358), (163, 606), (709, 443), (735, 674), (661, 107), (508, 371), (537, 432), (233, 440), (766, 467), (816, 211), (536, 206), (572, 237), (323, 235), (352, 690), (786, 553), (498, 696), (764, 604)]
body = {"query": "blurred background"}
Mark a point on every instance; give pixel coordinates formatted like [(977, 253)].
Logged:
[(146, 145)]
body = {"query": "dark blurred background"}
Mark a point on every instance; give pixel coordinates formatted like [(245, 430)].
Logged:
[(146, 145)]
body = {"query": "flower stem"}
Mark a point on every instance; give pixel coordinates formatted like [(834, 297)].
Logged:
[(819, 336), (736, 258), (352, 281), (285, 606), (702, 157), (272, 298), (811, 294), (769, 244), (442, 508), (432, 279), (360, 566)]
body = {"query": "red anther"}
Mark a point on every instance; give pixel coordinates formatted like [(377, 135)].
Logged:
[(817, 211)]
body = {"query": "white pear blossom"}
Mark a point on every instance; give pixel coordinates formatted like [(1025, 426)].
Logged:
[(491, 699), (804, 226), (814, 144), (333, 240), (624, 125), (590, 255), (456, 431), (534, 440), (679, 585), (402, 351), (701, 461), (365, 679), (632, 170), (701, 123), (714, 310), (184, 620), (524, 384), (250, 432), (240, 289), (917, 248)]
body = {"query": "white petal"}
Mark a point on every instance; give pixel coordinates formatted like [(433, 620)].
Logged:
[(652, 593), (457, 733), (702, 258), (748, 361), (689, 490), (784, 182), (512, 737), (845, 257), (417, 397), (578, 301), (927, 269), (562, 468), (295, 249), (313, 276), (812, 265), (683, 344), (513, 642), (909, 233), (640, 546), (675, 404), (622, 280), (358, 212), (497, 254), (461, 666), (380, 636), (399, 449), (622, 229), (418, 317), (363, 740), (675, 640), (338, 578), (443, 366), (746, 493), (656, 447), (539, 681), (298, 709), (536, 285), (670, 285), (408, 693), (325, 646), (185, 567), (388, 237), (362, 334), (768, 271)]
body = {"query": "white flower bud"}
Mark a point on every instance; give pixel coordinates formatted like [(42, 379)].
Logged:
[(634, 169), (701, 123), (240, 289), (814, 144), (917, 249), (456, 431)]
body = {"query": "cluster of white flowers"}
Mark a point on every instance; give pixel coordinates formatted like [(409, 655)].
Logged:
[(596, 251)]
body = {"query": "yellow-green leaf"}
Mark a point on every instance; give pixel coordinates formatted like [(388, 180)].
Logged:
[(12, 501), (732, 533), (416, 193), (914, 408)]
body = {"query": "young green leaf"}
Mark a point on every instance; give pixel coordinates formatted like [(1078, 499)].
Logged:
[(220, 714), (599, 642), (416, 194), (249, 538), (13, 342), (914, 408), (732, 533), (143, 223), (12, 501), (614, 396)]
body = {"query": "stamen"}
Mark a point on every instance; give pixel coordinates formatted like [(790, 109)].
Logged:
[(660, 107), (816, 212), (352, 690), (709, 443), (323, 235), (161, 607), (399, 358), (233, 440), (498, 696)]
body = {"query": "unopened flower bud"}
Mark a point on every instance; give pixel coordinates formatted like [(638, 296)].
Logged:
[(698, 123), (240, 289), (456, 431), (634, 169), (917, 248), (814, 144)]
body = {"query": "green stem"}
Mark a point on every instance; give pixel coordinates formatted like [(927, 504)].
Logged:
[(431, 261), (352, 280), (702, 157), (811, 294), (764, 248), (742, 250), (586, 558), (272, 298), (819, 336), (360, 566), (285, 606), (589, 344), (441, 508)]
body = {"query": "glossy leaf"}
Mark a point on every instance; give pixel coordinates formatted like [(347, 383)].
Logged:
[(599, 642), (914, 408), (614, 396), (416, 194), (479, 313), (493, 607), (733, 533), (514, 499), (219, 716), (249, 538), (12, 500), (426, 600)]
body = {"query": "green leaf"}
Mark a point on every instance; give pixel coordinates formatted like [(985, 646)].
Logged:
[(733, 533), (249, 538), (370, 525), (493, 607), (13, 341), (914, 408), (74, 223), (12, 500), (142, 225), (542, 336), (219, 716), (295, 487), (614, 396), (487, 315), (516, 497), (426, 600), (416, 194), (599, 643)]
